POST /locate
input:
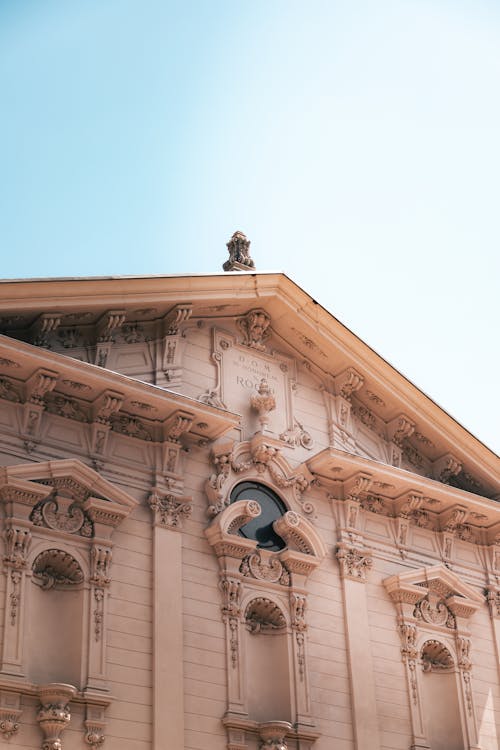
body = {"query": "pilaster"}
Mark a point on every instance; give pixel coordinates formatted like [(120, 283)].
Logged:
[(354, 564), (168, 675)]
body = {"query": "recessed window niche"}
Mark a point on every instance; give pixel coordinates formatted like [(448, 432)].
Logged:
[(55, 621), (440, 697), (267, 658)]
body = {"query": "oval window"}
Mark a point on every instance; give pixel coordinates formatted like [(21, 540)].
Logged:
[(261, 529)]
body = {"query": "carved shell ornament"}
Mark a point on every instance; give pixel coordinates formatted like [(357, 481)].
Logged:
[(56, 567), (263, 615)]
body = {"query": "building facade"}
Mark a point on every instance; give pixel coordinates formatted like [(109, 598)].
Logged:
[(229, 524)]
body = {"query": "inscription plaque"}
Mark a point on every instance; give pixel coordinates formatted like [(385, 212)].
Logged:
[(241, 370)]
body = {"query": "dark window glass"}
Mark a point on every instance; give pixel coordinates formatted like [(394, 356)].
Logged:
[(261, 528)]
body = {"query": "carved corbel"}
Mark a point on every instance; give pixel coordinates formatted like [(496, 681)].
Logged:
[(37, 386), (399, 428), (111, 321), (348, 382), (10, 713), (169, 510), (446, 467), (176, 425), (453, 524), (355, 489), (103, 408), (174, 342), (94, 734), (43, 327), (176, 317), (95, 727)]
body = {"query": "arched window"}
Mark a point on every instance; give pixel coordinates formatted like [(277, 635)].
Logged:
[(261, 528)]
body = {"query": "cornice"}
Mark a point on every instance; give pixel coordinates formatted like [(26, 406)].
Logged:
[(24, 365), (297, 319), (349, 477)]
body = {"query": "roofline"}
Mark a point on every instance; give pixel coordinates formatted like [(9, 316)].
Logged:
[(279, 275)]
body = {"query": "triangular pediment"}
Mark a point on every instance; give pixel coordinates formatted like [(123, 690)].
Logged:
[(65, 496), (71, 478), (383, 403), (438, 583)]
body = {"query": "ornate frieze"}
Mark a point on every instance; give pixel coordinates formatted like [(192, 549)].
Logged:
[(131, 427), (66, 407), (8, 391)]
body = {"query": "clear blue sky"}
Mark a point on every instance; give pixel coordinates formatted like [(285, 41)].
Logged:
[(357, 143)]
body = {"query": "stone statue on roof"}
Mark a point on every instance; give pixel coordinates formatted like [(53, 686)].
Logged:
[(239, 254)]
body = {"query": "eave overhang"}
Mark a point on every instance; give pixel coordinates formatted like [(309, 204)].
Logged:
[(22, 363), (340, 472), (298, 321)]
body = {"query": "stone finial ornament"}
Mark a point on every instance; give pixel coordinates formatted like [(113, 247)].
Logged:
[(239, 254), (263, 402)]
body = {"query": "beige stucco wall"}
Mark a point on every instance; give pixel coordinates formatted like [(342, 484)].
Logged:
[(130, 655)]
